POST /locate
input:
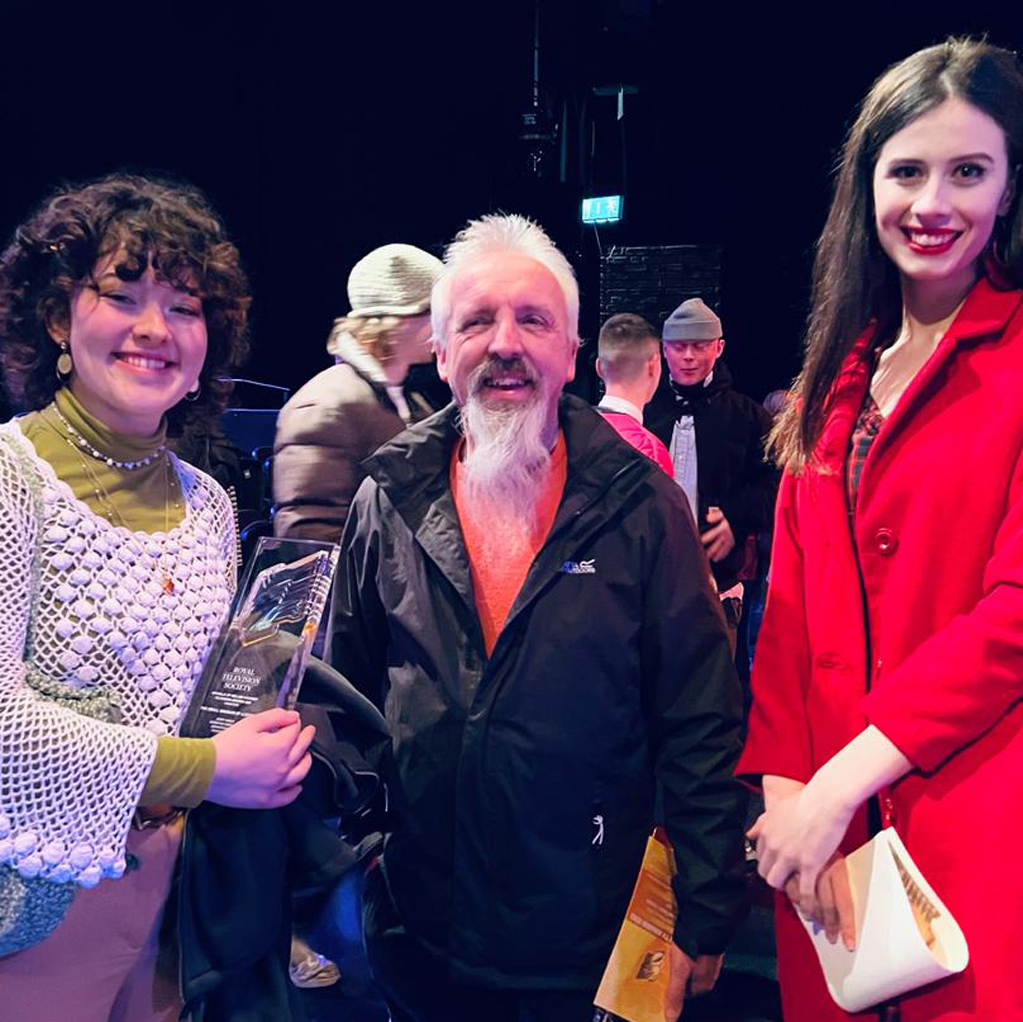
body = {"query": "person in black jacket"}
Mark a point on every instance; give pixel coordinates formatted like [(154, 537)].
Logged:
[(716, 439), (524, 596)]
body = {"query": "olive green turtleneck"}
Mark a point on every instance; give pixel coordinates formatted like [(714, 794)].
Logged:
[(143, 499)]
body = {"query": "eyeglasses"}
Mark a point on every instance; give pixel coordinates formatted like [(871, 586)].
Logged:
[(698, 346)]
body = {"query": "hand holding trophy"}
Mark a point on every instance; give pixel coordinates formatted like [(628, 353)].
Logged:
[(260, 656)]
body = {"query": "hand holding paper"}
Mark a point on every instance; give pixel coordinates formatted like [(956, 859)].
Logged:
[(834, 908), (681, 966), (905, 935), (688, 978), (798, 834)]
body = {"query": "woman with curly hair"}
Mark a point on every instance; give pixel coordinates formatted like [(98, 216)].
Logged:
[(888, 680), (121, 304)]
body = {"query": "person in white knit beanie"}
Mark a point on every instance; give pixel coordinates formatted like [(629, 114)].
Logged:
[(343, 414)]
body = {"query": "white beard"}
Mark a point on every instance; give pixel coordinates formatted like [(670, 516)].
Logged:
[(507, 456)]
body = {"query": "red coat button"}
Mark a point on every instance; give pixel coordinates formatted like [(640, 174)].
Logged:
[(889, 814), (885, 542)]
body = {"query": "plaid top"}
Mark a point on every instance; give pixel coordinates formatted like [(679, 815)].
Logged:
[(867, 425)]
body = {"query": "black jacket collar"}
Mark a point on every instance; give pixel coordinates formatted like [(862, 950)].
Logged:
[(412, 469), (698, 394)]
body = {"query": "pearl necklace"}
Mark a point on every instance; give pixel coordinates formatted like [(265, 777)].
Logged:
[(167, 581), (100, 456)]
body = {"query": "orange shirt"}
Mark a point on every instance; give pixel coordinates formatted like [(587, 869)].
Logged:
[(500, 558)]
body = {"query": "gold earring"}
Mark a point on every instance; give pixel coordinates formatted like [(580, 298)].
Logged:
[(65, 364)]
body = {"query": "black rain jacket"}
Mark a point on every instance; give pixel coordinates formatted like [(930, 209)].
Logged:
[(238, 867), (526, 779), (732, 472)]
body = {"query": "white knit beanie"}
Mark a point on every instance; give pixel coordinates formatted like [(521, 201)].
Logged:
[(393, 280)]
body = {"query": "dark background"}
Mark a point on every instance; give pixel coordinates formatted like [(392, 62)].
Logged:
[(324, 130)]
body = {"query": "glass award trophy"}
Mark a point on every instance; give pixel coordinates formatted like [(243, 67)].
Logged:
[(261, 653)]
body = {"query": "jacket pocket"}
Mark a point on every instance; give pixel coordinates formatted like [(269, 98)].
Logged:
[(618, 838)]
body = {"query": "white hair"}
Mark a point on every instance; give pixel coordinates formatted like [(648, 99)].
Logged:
[(501, 232)]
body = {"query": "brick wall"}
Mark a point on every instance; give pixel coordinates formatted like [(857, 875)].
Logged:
[(653, 280)]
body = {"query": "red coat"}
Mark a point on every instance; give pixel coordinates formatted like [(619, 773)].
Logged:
[(939, 537)]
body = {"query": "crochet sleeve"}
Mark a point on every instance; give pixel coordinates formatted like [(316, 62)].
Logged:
[(69, 783)]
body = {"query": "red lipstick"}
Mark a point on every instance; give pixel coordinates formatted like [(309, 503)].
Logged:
[(932, 246)]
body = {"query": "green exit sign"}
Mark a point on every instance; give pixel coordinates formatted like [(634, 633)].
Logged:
[(607, 209)]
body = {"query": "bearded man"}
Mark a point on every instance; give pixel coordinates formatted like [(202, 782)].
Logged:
[(524, 596)]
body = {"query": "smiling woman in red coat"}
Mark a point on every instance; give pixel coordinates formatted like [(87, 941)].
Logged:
[(888, 683)]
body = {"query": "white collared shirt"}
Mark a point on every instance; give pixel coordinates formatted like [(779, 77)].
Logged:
[(683, 458), (612, 403)]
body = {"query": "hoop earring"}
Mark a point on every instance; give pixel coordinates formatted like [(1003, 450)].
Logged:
[(65, 364), (193, 395)]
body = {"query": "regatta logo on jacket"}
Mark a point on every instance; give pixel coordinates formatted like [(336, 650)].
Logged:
[(579, 567)]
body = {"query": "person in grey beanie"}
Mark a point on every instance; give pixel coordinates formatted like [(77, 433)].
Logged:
[(716, 439), (343, 414)]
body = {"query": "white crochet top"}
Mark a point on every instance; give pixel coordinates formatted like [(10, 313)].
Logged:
[(69, 784)]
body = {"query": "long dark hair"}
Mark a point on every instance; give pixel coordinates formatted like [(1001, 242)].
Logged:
[(854, 282), (166, 223)]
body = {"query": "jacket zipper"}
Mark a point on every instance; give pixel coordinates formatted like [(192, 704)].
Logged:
[(625, 469), (484, 671)]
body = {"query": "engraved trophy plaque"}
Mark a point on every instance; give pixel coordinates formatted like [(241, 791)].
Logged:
[(261, 653)]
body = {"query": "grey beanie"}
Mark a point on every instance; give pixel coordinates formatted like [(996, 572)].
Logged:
[(693, 320), (393, 280)]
